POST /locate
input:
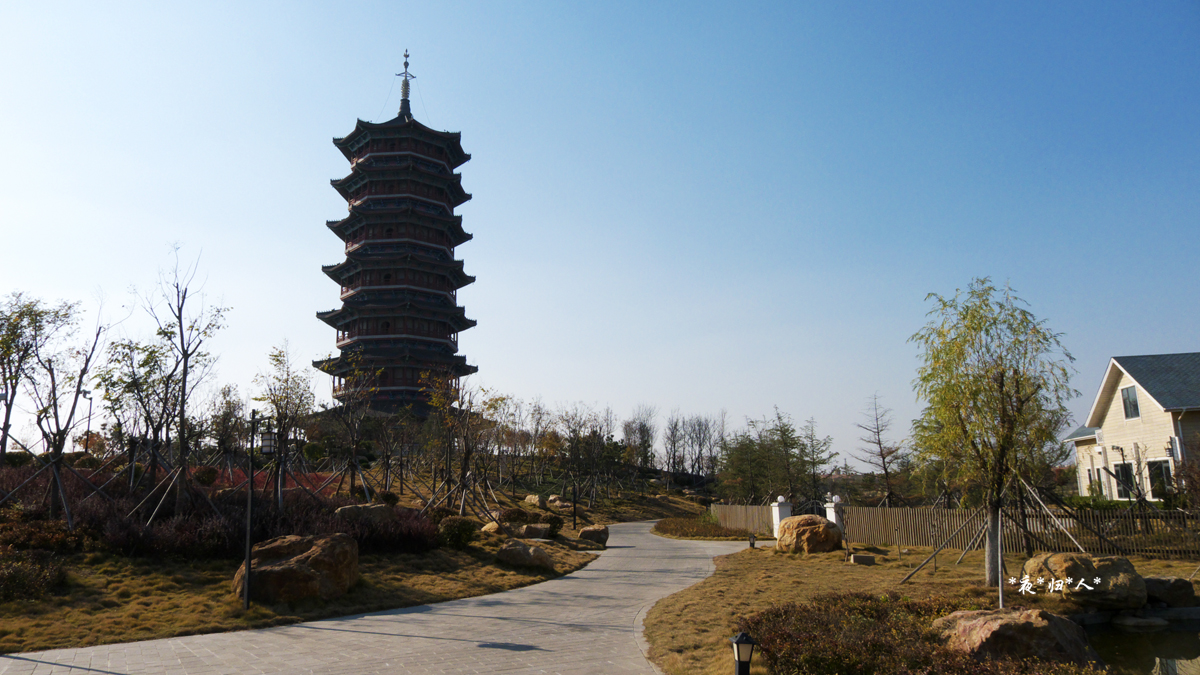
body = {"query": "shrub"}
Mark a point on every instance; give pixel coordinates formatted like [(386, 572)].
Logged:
[(205, 475), (872, 635), (313, 451), (17, 458), (1096, 502), (438, 513), (456, 532), (46, 535), (555, 523), (389, 498), (704, 527), (27, 575), (515, 516)]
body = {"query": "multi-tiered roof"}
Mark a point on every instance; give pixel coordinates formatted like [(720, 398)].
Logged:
[(399, 280)]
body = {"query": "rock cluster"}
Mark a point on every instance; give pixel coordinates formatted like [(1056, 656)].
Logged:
[(1120, 587), (808, 534), (596, 533), (1016, 634), (521, 554), (1170, 591), (292, 568)]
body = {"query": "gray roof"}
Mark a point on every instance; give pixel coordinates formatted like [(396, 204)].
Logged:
[(1172, 379), (1082, 432)]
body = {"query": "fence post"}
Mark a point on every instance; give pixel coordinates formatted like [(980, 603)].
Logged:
[(779, 510)]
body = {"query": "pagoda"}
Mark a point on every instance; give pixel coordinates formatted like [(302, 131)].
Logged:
[(400, 280)]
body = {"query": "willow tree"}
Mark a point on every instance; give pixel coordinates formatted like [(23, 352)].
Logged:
[(995, 381)]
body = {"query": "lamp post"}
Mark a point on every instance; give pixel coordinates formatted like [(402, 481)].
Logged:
[(249, 507), (743, 652), (87, 435), (268, 440)]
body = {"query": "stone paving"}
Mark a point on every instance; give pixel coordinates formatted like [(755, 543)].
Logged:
[(586, 622)]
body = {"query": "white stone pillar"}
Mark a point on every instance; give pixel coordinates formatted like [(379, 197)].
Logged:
[(779, 511), (832, 514)]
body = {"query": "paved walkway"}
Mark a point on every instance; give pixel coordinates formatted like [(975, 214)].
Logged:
[(586, 622)]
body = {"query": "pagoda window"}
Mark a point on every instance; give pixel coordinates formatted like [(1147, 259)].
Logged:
[(388, 232), (385, 326), (387, 278)]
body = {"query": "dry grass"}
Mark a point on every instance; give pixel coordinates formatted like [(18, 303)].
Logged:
[(689, 632), (113, 599)]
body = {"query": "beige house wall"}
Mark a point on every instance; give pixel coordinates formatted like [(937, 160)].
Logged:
[(1189, 424), (1144, 438)]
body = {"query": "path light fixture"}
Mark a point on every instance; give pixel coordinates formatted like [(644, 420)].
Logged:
[(752, 540), (268, 442), (743, 652)]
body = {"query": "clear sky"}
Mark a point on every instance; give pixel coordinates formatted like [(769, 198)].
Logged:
[(702, 206)]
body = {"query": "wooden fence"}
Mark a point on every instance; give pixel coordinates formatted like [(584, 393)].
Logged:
[(751, 518), (1107, 532), (1162, 534)]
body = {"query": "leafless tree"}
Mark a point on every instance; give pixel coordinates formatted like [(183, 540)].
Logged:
[(877, 450)]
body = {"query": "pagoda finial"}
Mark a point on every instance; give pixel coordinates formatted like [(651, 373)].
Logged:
[(405, 111)]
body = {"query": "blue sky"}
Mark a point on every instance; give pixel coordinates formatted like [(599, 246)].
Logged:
[(702, 206)]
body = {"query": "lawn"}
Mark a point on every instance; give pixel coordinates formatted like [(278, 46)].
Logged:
[(689, 631), (110, 598)]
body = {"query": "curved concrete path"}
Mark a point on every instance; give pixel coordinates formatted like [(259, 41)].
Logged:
[(586, 622)]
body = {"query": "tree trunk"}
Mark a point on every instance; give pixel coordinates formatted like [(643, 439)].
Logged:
[(991, 565)]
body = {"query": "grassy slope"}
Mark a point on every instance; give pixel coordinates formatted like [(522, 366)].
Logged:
[(115, 599), (689, 632)]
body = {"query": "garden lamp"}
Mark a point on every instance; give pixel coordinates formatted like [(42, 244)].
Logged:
[(743, 652), (268, 442)]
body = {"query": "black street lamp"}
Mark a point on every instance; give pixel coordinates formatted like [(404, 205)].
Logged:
[(249, 507), (743, 652), (87, 435)]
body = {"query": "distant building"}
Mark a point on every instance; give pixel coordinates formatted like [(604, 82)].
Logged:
[(399, 281), (1143, 422)]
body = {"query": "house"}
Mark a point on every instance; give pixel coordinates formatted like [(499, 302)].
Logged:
[(1144, 421)]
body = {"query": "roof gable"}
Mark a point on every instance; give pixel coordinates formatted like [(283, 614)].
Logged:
[(1172, 381)]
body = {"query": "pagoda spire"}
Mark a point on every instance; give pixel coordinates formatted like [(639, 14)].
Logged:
[(405, 111)]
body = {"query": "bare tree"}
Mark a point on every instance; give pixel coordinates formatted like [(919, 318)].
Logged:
[(56, 384), (673, 441), (877, 450), (639, 432), (288, 394), (24, 323), (185, 327)]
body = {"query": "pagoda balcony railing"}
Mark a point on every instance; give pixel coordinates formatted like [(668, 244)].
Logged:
[(443, 289), (346, 337), (361, 239)]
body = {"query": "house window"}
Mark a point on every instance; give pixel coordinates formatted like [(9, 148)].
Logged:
[(1124, 474), (1160, 478), (1129, 398)]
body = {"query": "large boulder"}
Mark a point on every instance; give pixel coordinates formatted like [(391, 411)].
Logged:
[(1173, 591), (596, 533), (537, 500), (292, 568), (534, 531), (522, 555), (1016, 634), (1120, 586), (377, 513), (808, 534)]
